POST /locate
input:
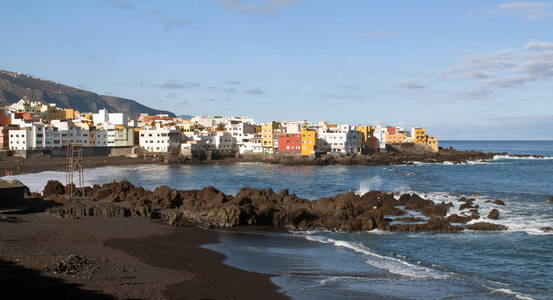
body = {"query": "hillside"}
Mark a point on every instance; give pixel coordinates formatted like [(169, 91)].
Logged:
[(15, 86)]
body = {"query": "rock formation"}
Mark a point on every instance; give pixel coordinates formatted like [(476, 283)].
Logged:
[(212, 208)]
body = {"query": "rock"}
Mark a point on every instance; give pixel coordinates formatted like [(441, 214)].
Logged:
[(410, 219), (547, 229), (211, 208), (438, 210), (53, 187), (551, 199), (496, 202), (475, 195), (485, 226), (433, 224), (74, 264), (494, 214), (468, 204), (462, 219)]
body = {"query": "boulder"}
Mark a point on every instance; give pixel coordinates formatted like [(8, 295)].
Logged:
[(496, 202), (454, 218), (547, 229), (485, 226), (494, 214), (53, 187)]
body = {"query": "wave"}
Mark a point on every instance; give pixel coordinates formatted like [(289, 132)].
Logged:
[(517, 295), (390, 264), (36, 181), (517, 218), (526, 157)]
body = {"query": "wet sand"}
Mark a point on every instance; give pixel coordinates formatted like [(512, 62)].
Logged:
[(128, 258), (18, 165)]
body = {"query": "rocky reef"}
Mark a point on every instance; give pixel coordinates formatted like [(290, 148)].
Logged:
[(212, 208)]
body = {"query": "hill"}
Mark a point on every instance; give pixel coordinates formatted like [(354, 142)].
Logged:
[(15, 86)]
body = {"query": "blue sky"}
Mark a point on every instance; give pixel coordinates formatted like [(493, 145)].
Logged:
[(463, 69)]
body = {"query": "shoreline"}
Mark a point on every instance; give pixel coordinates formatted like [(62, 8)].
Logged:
[(18, 165), (127, 258)]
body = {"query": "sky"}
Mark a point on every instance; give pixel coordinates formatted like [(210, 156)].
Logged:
[(462, 69)]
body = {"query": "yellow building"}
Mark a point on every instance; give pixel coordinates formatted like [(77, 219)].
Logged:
[(433, 143), (268, 132), (186, 128), (367, 132), (71, 114), (395, 138), (308, 141), (419, 135)]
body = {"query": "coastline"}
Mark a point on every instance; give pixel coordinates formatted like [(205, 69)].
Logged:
[(18, 165), (128, 258)]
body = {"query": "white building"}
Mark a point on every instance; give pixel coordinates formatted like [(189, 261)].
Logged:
[(102, 117), (34, 136), (118, 119), (160, 139), (251, 144), (224, 141), (21, 139), (239, 130), (380, 135), (208, 121), (341, 138), (71, 132)]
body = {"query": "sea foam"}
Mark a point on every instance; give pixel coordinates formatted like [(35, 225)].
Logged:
[(390, 264)]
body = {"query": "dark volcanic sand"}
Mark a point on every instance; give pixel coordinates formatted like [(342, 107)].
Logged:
[(129, 258), (18, 165)]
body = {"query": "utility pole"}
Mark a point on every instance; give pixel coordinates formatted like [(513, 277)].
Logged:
[(74, 161)]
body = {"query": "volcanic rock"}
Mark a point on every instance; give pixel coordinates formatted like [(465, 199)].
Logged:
[(410, 219), (494, 214), (485, 226), (454, 218), (496, 202), (53, 187)]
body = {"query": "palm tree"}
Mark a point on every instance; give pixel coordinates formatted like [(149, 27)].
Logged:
[(221, 127)]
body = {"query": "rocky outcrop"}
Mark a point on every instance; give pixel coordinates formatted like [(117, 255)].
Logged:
[(485, 226), (53, 187), (212, 208), (496, 202), (494, 214)]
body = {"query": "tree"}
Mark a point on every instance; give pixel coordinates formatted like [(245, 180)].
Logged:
[(221, 127)]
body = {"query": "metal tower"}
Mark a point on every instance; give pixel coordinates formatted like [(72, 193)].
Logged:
[(74, 162)]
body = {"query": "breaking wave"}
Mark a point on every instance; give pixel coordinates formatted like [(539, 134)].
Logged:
[(390, 264)]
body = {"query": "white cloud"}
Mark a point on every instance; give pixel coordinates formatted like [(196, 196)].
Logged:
[(539, 46), (411, 84), (533, 10), (265, 7), (503, 69)]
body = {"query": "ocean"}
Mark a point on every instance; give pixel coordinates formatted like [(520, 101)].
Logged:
[(515, 264)]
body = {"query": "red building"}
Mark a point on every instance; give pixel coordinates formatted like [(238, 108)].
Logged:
[(289, 142)]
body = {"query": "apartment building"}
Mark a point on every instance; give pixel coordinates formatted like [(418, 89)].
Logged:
[(160, 139)]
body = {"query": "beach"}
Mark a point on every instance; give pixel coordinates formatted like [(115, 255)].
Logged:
[(126, 258), (18, 165)]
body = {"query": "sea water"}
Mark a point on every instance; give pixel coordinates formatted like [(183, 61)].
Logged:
[(516, 264)]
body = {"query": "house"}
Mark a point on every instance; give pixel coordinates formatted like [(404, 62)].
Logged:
[(269, 136), (290, 142), (341, 138), (308, 141), (162, 140)]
